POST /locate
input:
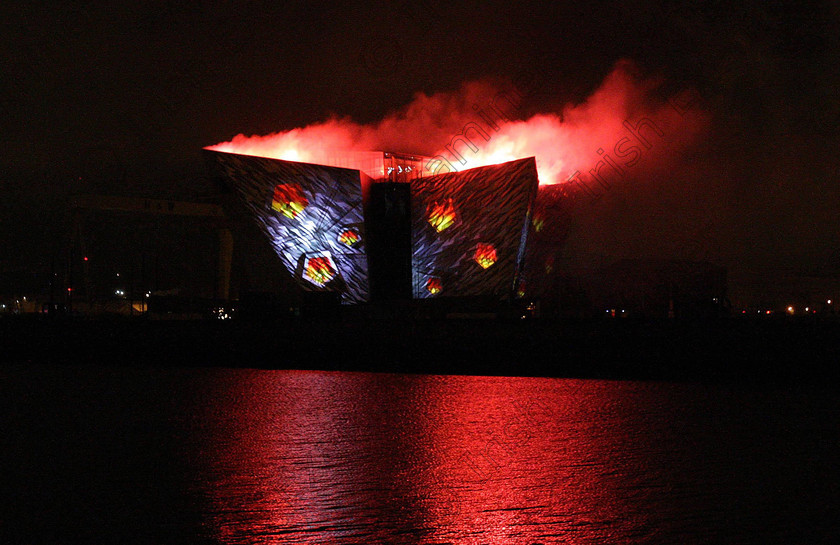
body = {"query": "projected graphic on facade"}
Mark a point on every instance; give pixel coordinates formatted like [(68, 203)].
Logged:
[(319, 269), (485, 255), (289, 200), (490, 207), (349, 237), (468, 229), (434, 285), (311, 215), (441, 215)]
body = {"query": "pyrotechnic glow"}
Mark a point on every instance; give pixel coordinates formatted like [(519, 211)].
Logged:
[(485, 255), (319, 270), (482, 124), (441, 215), (289, 200)]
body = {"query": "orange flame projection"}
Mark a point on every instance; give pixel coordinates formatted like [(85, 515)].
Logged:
[(485, 255), (319, 270), (434, 285), (441, 215), (549, 265), (349, 238), (623, 122), (539, 222), (289, 200)]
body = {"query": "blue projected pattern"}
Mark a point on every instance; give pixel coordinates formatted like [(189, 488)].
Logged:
[(469, 229), (309, 213)]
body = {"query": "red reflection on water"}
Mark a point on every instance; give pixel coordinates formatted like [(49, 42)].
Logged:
[(354, 457)]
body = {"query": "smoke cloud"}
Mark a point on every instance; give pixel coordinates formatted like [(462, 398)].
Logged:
[(624, 128)]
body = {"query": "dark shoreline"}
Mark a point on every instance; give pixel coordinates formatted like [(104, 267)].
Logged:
[(739, 349)]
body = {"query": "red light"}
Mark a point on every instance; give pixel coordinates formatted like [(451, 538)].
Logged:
[(69, 290), (599, 121), (85, 258)]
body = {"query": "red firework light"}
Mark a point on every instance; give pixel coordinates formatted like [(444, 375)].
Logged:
[(590, 141)]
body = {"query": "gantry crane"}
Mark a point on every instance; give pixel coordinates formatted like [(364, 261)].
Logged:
[(212, 214)]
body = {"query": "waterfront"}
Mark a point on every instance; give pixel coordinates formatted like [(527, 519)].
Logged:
[(172, 455)]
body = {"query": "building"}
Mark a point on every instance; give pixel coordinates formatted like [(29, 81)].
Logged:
[(370, 226)]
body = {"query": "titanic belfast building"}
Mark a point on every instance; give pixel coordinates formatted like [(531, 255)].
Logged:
[(378, 226)]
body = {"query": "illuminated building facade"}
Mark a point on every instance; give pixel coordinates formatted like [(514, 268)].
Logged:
[(373, 227), (470, 228), (311, 214)]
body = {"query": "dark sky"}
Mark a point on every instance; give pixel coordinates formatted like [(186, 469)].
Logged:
[(107, 98)]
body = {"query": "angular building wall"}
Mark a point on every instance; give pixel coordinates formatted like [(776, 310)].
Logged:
[(549, 229), (469, 229), (312, 216), (464, 234)]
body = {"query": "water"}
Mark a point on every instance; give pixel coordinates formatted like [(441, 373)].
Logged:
[(149, 455)]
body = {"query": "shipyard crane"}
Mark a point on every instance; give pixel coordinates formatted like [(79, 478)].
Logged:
[(212, 214)]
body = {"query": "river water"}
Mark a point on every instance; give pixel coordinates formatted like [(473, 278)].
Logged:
[(192, 455)]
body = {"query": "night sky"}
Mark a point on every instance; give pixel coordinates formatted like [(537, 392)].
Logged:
[(120, 100)]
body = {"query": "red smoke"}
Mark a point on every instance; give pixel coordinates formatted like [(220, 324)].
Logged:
[(480, 125)]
